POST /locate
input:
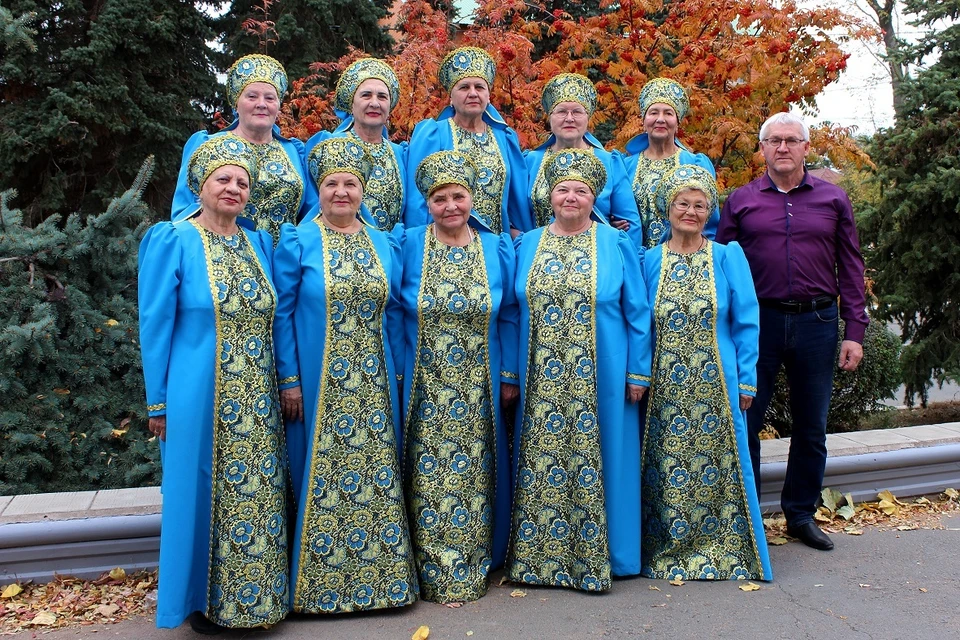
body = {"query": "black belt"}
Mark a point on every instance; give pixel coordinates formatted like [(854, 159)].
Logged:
[(799, 306)]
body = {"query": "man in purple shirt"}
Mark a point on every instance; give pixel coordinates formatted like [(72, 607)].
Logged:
[(801, 242)]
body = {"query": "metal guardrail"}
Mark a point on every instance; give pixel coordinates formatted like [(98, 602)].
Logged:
[(88, 547)]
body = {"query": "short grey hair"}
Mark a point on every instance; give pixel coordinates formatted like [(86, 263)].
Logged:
[(785, 117)]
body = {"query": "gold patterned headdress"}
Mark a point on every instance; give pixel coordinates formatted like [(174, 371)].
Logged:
[(685, 176), (665, 91), (569, 87), (216, 152), (339, 155), (443, 168), (255, 68), (466, 62), (575, 164), (354, 75)]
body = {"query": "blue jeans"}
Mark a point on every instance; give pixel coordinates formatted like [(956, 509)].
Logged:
[(806, 345)]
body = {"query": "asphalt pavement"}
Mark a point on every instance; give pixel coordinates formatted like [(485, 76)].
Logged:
[(880, 585)]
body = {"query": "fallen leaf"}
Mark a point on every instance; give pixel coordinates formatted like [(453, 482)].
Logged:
[(823, 515), (677, 582), (45, 618), (503, 580), (779, 540), (518, 593), (818, 585), (922, 590), (653, 588), (907, 527), (118, 574), (864, 586), (750, 586), (468, 633), (952, 493), (847, 511), (853, 531), (662, 604), (421, 634), (11, 590), (831, 498), (107, 610)]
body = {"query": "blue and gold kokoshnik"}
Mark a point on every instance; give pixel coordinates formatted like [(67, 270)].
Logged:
[(216, 152), (575, 164), (466, 62), (569, 87), (339, 155), (443, 168), (255, 68), (664, 91), (359, 71), (685, 176)]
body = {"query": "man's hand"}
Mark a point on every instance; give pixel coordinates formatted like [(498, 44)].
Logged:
[(508, 393), (619, 223), (851, 353), (635, 392), (291, 404), (158, 426), (745, 401)]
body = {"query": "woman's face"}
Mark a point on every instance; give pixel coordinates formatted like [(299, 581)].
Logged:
[(371, 103), (450, 207), (226, 191), (258, 106), (470, 97), (660, 122), (568, 123), (689, 212), (340, 195), (572, 201)]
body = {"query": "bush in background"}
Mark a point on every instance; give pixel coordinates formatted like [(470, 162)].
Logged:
[(72, 413), (855, 393)]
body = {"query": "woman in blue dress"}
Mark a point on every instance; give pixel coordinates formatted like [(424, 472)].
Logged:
[(460, 318), (338, 286), (367, 91), (569, 100), (585, 355), (281, 193), (206, 334), (657, 151), (471, 125), (701, 517)]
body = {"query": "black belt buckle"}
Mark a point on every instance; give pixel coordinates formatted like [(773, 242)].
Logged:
[(793, 307)]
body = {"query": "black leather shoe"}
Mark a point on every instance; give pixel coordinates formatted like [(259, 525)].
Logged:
[(811, 535), (203, 625)]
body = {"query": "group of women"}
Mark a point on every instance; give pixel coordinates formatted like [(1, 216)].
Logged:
[(338, 336)]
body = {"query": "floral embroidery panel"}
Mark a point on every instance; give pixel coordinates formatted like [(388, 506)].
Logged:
[(451, 440), (383, 194), (491, 175), (649, 173), (248, 584), (542, 209), (696, 521), (559, 533), (355, 547), (275, 197)]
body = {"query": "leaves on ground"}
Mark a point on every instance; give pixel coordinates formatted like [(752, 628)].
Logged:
[(677, 582), (421, 634), (518, 593), (750, 586), (840, 514), (70, 602)]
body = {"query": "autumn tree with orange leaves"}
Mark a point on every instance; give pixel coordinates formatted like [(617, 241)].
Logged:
[(741, 60)]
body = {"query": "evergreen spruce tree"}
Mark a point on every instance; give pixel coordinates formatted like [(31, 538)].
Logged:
[(304, 31), (105, 84), (912, 236), (72, 414)]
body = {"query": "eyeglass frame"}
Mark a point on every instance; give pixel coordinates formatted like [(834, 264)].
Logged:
[(792, 143), (687, 206), (575, 113)]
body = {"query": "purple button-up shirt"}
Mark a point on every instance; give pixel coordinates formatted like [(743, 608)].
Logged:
[(800, 245)]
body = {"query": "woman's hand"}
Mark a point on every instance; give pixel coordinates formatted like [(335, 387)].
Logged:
[(291, 404), (158, 426), (618, 223), (508, 393), (635, 392), (745, 402)]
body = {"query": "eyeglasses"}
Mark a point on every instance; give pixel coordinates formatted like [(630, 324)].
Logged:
[(576, 114), (791, 143), (683, 206)]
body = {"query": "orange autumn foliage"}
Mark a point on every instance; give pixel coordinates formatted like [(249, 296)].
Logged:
[(741, 61)]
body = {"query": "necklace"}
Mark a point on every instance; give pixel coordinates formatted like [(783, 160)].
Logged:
[(469, 236), (703, 243)]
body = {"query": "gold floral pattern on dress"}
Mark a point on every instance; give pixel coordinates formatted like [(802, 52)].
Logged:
[(355, 546), (540, 194), (275, 197), (248, 584), (491, 184), (696, 521), (559, 532), (383, 193), (450, 437), (645, 181)]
